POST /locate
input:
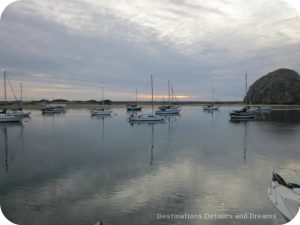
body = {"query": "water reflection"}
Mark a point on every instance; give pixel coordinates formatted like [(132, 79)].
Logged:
[(6, 148), (9, 155), (152, 143), (183, 165), (284, 116), (245, 141), (102, 118)]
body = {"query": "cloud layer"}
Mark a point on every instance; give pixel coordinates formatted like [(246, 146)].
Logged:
[(73, 48)]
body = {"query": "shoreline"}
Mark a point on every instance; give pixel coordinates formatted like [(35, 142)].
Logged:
[(38, 105)]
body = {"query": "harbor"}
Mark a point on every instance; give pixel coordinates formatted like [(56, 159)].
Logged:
[(149, 112), (105, 168)]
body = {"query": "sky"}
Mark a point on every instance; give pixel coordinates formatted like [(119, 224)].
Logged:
[(71, 49)]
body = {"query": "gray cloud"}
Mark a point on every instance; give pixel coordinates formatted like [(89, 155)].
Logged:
[(78, 47)]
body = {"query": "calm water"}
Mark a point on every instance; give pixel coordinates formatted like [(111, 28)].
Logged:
[(74, 169)]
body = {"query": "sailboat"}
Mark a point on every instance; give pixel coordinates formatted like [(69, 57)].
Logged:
[(4, 117), (19, 112), (146, 117), (101, 110), (134, 107), (285, 196), (212, 106), (169, 109), (246, 113)]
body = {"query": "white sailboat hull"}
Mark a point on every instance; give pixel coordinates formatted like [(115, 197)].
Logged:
[(262, 109), (168, 112), (245, 114), (9, 119), (101, 112), (210, 108), (286, 201), (54, 108), (19, 113)]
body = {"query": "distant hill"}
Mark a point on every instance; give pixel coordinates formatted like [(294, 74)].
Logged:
[(281, 86)]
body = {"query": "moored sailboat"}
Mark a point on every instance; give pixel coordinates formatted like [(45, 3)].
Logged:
[(101, 110), (246, 113), (146, 117), (211, 106), (4, 117), (169, 109), (135, 107), (19, 112), (54, 108)]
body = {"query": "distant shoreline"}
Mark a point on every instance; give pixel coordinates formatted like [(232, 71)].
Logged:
[(121, 104)]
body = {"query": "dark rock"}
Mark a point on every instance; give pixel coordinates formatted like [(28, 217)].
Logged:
[(281, 86)]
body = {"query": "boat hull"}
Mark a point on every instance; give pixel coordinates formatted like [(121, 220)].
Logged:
[(19, 114), (168, 112), (10, 119), (48, 111), (101, 113), (134, 109), (282, 198), (208, 108)]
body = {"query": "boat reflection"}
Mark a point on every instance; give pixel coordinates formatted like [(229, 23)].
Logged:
[(245, 140), (102, 118), (152, 144), (284, 116), (243, 123), (7, 156), (132, 123)]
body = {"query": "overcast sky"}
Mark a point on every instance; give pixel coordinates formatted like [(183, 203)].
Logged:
[(70, 49)]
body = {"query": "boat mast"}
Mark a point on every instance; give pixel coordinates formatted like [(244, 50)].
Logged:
[(136, 98), (212, 99), (103, 97), (169, 92), (152, 93), (5, 91), (172, 91), (247, 97), (21, 102), (174, 98)]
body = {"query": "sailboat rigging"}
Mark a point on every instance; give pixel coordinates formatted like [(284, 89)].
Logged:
[(169, 109), (4, 117), (212, 106), (101, 110), (147, 117), (19, 112), (134, 107)]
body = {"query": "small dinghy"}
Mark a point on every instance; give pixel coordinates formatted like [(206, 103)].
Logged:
[(284, 196)]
